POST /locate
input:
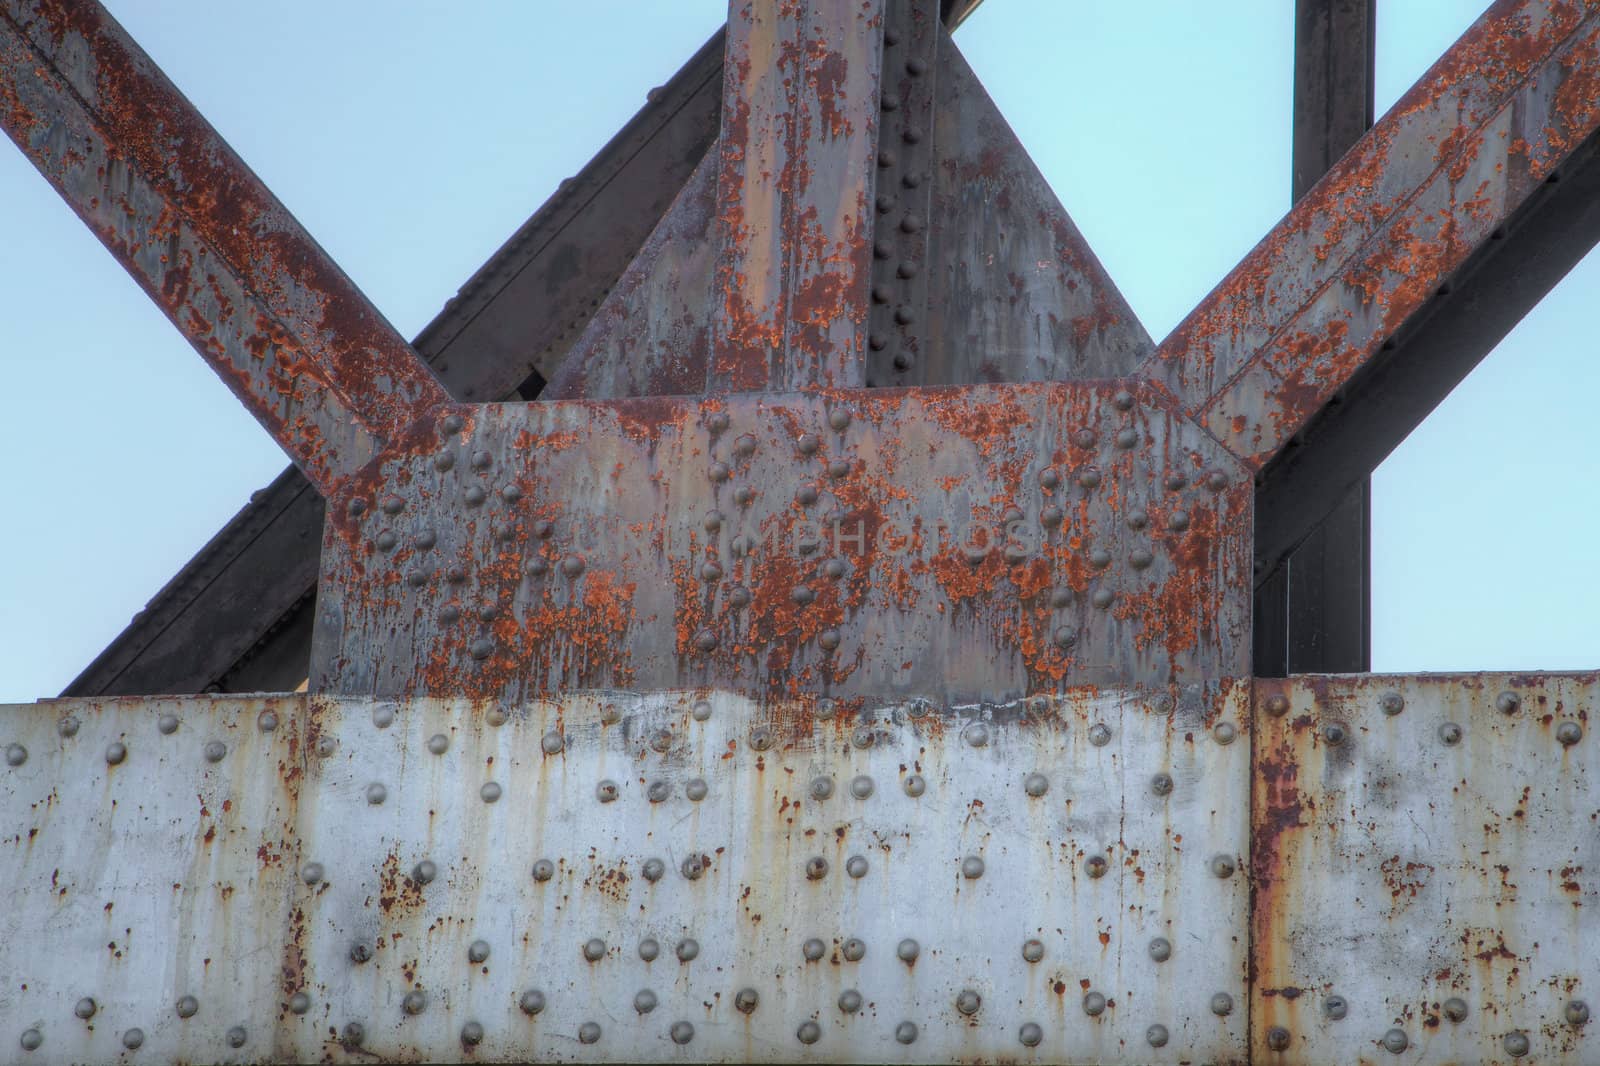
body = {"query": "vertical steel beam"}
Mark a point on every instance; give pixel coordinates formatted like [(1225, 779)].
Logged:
[(1313, 613), (794, 194), (285, 329)]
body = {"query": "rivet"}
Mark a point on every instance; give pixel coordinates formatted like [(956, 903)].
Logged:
[(808, 1033), (188, 1006), (610, 714), (589, 1032), (357, 507), (360, 952), (649, 949), (376, 794), (85, 1008), (31, 1039), (168, 724), (451, 424), (849, 1001), (761, 738), (681, 1032), (415, 1001), (531, 1002), (968, 1001), (1225, 733), (311, 873), (1516, 1044), (738, 596), (1508, 702), (1222, 1004), (906, 1032), (544, 870), (474, 495), (695, 789), (746, 1000), (326, 746), (828, 639), (544, 529), (353, 1035), (688, 949), (658, 791), (701, 711), (813, 949), (802, 595), (816, 868), (1030, 1034), (481, 460), (116, 751), (1277, 1038), (1036, 785), (444, 462), (1160, 948), (886, 159), (1222, 866), (1395, 1040), (1094, 1004), (133, 1039), (393, 505), (1216, 481), (644, 1001), (1334, 733), (743, 495), (861, 786), (387, 540), (1140, 559), (1391, 703), (594, 949), (1032, 950), (477, 951), (456, 575), (1051, 516), (1335, 1007), (606, 791), (1089, 477), (807, 444), (908, 950), (972, 867), (1049, 477), (914, 785), (472, 1034), (216, 751), (1161, 784), (1569, 733), (572, 565), (299, 1003), (1099, 558), (490, 792), (1065, 637), (1095, 865), (481, 648), (856, 866), (1455, 1008), (1127, 438), (1103, 598), (717, 422), (854, 949), (16, 754), (976, 734), (1178, 521), (1099, 734), (1577, 1012), (1277, 705), (1156, 1036)]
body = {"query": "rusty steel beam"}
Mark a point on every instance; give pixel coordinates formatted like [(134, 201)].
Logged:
[(286, 330), (1313, 611), (1377, 238), (794, 194)]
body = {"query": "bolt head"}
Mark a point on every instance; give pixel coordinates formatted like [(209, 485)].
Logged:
[(1335, 1007)]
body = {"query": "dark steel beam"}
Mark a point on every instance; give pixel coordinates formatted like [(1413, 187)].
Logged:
[(1356, 261), (1313, 612), (799, 149), (279, 322)]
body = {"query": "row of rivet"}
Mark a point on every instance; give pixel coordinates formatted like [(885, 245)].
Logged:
[(1392, 703)]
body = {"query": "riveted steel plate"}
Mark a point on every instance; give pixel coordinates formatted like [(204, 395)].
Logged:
[(432, 917), (138, 875), (982, 543), (1419, 840)]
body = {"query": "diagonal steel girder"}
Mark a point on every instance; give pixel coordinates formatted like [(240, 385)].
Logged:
[(1362, 253), (287, 331)]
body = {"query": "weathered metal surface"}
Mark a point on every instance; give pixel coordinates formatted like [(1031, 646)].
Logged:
[(794, 194), (976, 543), (283, 327), (1371, 244), (1015, 291), (1419, 840), (313, 882), (148, 850), (652, 335)]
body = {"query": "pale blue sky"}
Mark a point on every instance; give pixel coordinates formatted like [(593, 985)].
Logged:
[(412, 138)]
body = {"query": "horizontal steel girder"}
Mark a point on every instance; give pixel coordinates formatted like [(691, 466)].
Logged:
[(616, 877), (280, 323)]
